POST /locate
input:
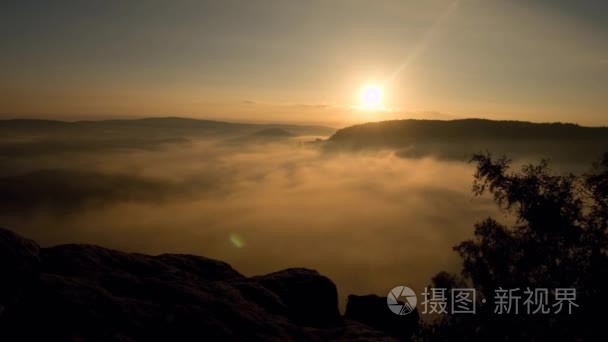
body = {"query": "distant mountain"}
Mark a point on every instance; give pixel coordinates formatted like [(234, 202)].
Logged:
[(273, 132), (265, 135), (175, 125), (34, 137), (458, 139)]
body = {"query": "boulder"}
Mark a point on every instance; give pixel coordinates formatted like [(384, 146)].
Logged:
[(311, 298), (372, 311), (19, 265)]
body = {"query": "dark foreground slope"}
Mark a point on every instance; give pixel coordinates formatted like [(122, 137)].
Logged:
[(459, 139), (89, 293)]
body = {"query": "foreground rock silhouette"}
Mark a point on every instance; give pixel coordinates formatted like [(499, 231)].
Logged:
[(89, 293), (371, 311)]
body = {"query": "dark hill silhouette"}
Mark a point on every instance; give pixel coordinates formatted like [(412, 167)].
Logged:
[(459, 139), (273, 132), (89, 293), (24, 137), (266, 135), (161, 124)]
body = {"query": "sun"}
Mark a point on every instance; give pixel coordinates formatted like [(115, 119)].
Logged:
[(371, 97)]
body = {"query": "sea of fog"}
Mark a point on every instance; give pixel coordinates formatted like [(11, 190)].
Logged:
[(369, 221)]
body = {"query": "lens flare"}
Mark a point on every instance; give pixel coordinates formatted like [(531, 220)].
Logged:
[(237, 240)]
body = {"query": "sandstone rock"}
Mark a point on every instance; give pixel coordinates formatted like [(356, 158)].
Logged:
[(19, 265), (89, 293), (372, 311), (311, 298)]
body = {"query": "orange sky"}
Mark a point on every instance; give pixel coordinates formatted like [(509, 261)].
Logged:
[(305, 61)]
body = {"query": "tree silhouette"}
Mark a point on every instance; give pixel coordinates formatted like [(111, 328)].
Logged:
[(559, 240)]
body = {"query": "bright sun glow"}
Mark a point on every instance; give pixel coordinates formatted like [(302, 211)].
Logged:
[(371, 97)]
